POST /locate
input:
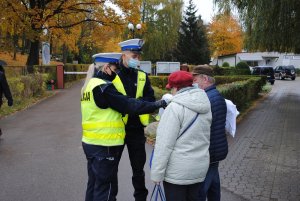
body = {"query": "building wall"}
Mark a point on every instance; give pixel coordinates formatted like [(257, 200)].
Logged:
[(288, 60), (269, 59), (231, 60)]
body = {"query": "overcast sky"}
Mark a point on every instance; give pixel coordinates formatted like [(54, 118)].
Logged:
[(205, 9)]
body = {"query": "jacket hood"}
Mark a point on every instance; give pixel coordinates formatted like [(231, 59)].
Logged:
[(193, 98)]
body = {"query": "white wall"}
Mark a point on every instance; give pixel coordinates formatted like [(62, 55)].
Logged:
[(275, 58), (230, 60)]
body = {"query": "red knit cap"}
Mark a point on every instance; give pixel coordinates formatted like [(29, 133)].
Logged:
[(180, 79)]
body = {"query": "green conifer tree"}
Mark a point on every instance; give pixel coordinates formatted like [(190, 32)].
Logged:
[(192, 47)]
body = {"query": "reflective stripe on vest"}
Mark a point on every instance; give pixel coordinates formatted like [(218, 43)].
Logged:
[(100, 126), (141, 81)]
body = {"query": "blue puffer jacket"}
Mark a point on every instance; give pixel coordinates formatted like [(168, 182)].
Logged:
[(218, 148)]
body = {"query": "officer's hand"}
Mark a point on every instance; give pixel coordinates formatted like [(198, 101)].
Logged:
[(161, 103), (10, 103)]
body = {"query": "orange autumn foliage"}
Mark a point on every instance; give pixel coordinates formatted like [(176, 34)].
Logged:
[(225, 35)]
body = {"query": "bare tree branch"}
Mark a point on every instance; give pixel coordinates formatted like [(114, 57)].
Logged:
[(75, 24)]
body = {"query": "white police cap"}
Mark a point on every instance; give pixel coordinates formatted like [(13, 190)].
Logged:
[(132, 45), (107, 57)]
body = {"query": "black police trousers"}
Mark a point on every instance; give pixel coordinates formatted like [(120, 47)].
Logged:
[(135, 142), (102, 167)]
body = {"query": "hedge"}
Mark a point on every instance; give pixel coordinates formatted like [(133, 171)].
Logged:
[(241, 93), (26, 87), (231, 71), (161, 81), (241, 90)]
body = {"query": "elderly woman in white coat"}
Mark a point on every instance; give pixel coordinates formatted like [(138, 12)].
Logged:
[(181, 156)]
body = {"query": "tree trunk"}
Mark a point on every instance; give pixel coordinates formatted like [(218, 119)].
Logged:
[(33, 58), (65, 54), (51, 45), (15, 43), (23, 43)]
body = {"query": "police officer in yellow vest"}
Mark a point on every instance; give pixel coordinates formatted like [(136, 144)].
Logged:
[(135, 83), (103, 127)]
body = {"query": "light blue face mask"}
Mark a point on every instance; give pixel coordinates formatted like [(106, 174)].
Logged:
[(196, 85), (133, 63)]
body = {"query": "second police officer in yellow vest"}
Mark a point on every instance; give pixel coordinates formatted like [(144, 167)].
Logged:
[(103, 127), (135, 83)]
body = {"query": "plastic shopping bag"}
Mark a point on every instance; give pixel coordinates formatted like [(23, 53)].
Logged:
[(232, 113), (158, 194)]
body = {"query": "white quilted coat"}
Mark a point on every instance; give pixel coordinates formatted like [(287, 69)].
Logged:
[(184, 161)]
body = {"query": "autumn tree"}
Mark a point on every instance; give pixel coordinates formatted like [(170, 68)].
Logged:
[(192, 46), (161, 22), (37, 15), (225, 35), (10, 30), (270, 25)]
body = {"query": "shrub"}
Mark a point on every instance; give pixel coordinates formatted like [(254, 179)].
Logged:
[(241, 90), (38, 84), (159, 81), (229, 79), (225, 64), (28, 86), (241, 93), (16, 87), (159, 92), (231, 71), (27, 81), (243, 68), (217, 70), (242, 65)]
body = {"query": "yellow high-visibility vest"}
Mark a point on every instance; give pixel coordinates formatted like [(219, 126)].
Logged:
[(100, 126), (141, 81)]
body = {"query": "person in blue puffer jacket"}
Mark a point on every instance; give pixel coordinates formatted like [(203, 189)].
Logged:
[(218, 148)]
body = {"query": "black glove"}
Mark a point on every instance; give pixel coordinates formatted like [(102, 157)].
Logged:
[(161, 103), (10, 102)]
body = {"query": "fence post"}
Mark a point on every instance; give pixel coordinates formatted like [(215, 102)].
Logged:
[(60, 76)]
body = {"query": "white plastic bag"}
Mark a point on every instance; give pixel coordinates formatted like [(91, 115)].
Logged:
[(232, 113), (168, 98)]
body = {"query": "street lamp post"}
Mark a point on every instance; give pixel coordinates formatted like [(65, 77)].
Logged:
[(131, 28)]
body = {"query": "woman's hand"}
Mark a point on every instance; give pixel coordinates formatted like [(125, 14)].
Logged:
[(106, 69), (156, 182)]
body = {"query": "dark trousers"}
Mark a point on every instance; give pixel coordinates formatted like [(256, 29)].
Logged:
[(211, 188), (102, 172), (182, 192), (135, 142)]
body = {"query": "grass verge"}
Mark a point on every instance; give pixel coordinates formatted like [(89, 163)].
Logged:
[(23, 104)]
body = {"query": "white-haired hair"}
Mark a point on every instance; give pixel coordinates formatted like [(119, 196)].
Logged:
[(93, 68)]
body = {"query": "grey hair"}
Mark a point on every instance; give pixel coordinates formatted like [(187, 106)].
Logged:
[(210, 79), (93, 68)]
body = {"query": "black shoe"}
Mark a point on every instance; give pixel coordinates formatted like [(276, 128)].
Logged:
[(0, 132)]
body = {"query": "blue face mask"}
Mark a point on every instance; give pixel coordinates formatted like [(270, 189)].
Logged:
[(196, 85), (133, 63)]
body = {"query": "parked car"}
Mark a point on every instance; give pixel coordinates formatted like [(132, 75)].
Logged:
[(282, 72), (265, 70)]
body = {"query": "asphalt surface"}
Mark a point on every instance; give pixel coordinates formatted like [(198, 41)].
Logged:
[(264, 158), (41, 157)]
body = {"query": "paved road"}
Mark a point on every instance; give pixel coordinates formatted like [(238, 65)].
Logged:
[(41, 156), (264, 159)]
